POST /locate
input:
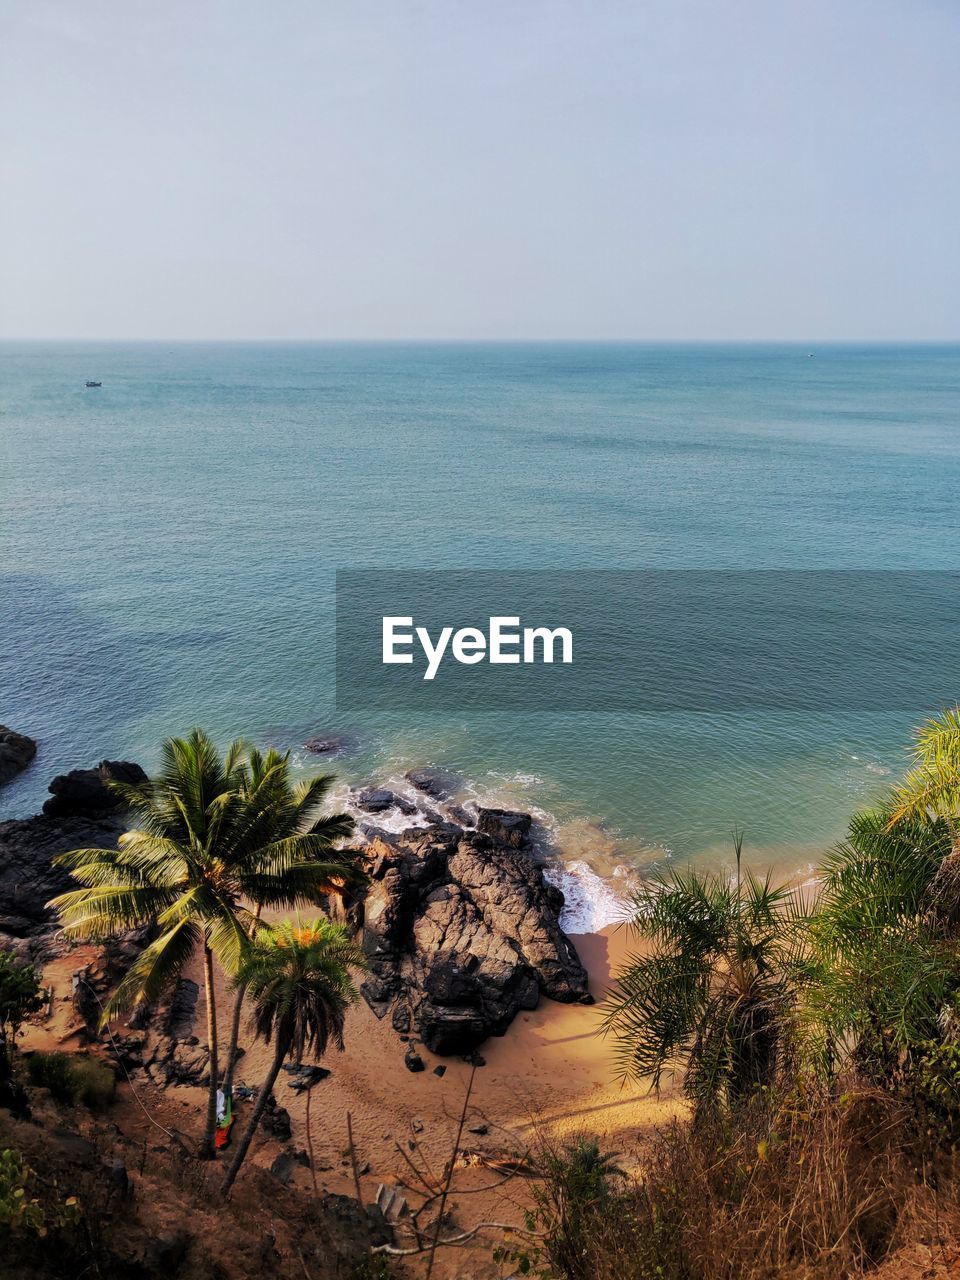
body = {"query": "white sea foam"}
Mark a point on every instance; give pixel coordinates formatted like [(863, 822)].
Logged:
[(590, 901)]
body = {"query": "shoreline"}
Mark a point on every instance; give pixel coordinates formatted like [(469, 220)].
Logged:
[(550, 1077)]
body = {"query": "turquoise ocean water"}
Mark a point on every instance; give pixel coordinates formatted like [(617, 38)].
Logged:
[(168, 545)]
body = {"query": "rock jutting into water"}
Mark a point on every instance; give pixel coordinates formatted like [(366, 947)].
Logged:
[(438, 784), (28, 878), (462, 932), (16, 752), (86, 791)]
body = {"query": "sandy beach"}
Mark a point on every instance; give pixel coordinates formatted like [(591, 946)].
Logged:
[(551, 1076)]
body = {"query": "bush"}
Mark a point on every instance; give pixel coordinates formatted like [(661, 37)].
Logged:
[(20, 996), (73, 1079), (808, 1184)]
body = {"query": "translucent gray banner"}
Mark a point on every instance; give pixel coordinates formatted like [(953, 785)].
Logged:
[(626, 641)]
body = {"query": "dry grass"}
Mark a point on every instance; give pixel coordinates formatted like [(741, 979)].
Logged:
[(814, 1186)]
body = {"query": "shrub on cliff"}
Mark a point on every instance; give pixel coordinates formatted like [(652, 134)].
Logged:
[(805, 1183), (73, 1079), (20, 996)]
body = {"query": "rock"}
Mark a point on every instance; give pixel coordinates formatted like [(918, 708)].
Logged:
[(478, 1129), (463, 932), (461, 816), (28, 878), (331, 744), (376, 799), (285, 1163), (401, 1019), (441, 1070), (130, 1050), (412, 1060), (305, 1076), (435, 783), (179, 1062), (178, 1012), (505, 826), (276, 1121), (16, 752), (85, 792)]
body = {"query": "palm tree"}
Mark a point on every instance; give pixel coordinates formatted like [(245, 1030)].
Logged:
[(204, 847), (881, 971), (931, 791), (298, 977), (713, 991), (288, 813)]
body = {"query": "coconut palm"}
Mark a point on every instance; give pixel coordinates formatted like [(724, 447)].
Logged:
[(931, 790), (288, 813), (204, 847), (298, 977), (712, 991)]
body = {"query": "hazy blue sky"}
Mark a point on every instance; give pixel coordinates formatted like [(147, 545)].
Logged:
[(477, 168)]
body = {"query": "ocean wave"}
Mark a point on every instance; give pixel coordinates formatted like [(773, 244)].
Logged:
[(591, 901)]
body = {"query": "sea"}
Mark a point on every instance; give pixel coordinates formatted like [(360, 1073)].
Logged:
[(169, 542)]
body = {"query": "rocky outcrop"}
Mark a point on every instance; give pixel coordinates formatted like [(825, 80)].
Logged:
[(380, 799), (85, 793), (462, 932), (505, 826), (82, 813), (438, 784), (331, 744), (28, 879), (16, 752)]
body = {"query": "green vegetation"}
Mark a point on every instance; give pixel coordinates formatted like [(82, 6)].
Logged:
[(717, 988), (820, 1044), (816, 1032), (298, 977), (73, 1078), (215, 834), (20, 996)]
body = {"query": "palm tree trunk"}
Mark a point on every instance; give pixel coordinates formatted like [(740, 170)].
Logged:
[(313, 1163), (261, 1104), (235, 1022), (207, 1146)]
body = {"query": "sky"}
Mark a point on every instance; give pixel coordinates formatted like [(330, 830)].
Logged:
[(448, 169)]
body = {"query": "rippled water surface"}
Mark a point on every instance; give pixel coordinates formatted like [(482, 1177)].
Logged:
[(169, 540)]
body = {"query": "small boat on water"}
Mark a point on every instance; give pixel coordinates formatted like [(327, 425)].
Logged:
[(94, 384)]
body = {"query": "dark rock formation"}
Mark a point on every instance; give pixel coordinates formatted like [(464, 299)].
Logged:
[(331, 744), (435, 783), (505, 826), (284, 1164), (176, 1062), (84, 792), (379, 799), (462, 932), (462, 817), (304, 1076), (178, 1011), (16, 752), (276, 1121), (28, 880), (412, 1060)]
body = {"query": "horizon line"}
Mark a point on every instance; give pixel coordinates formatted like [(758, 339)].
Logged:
[(511, 341)]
